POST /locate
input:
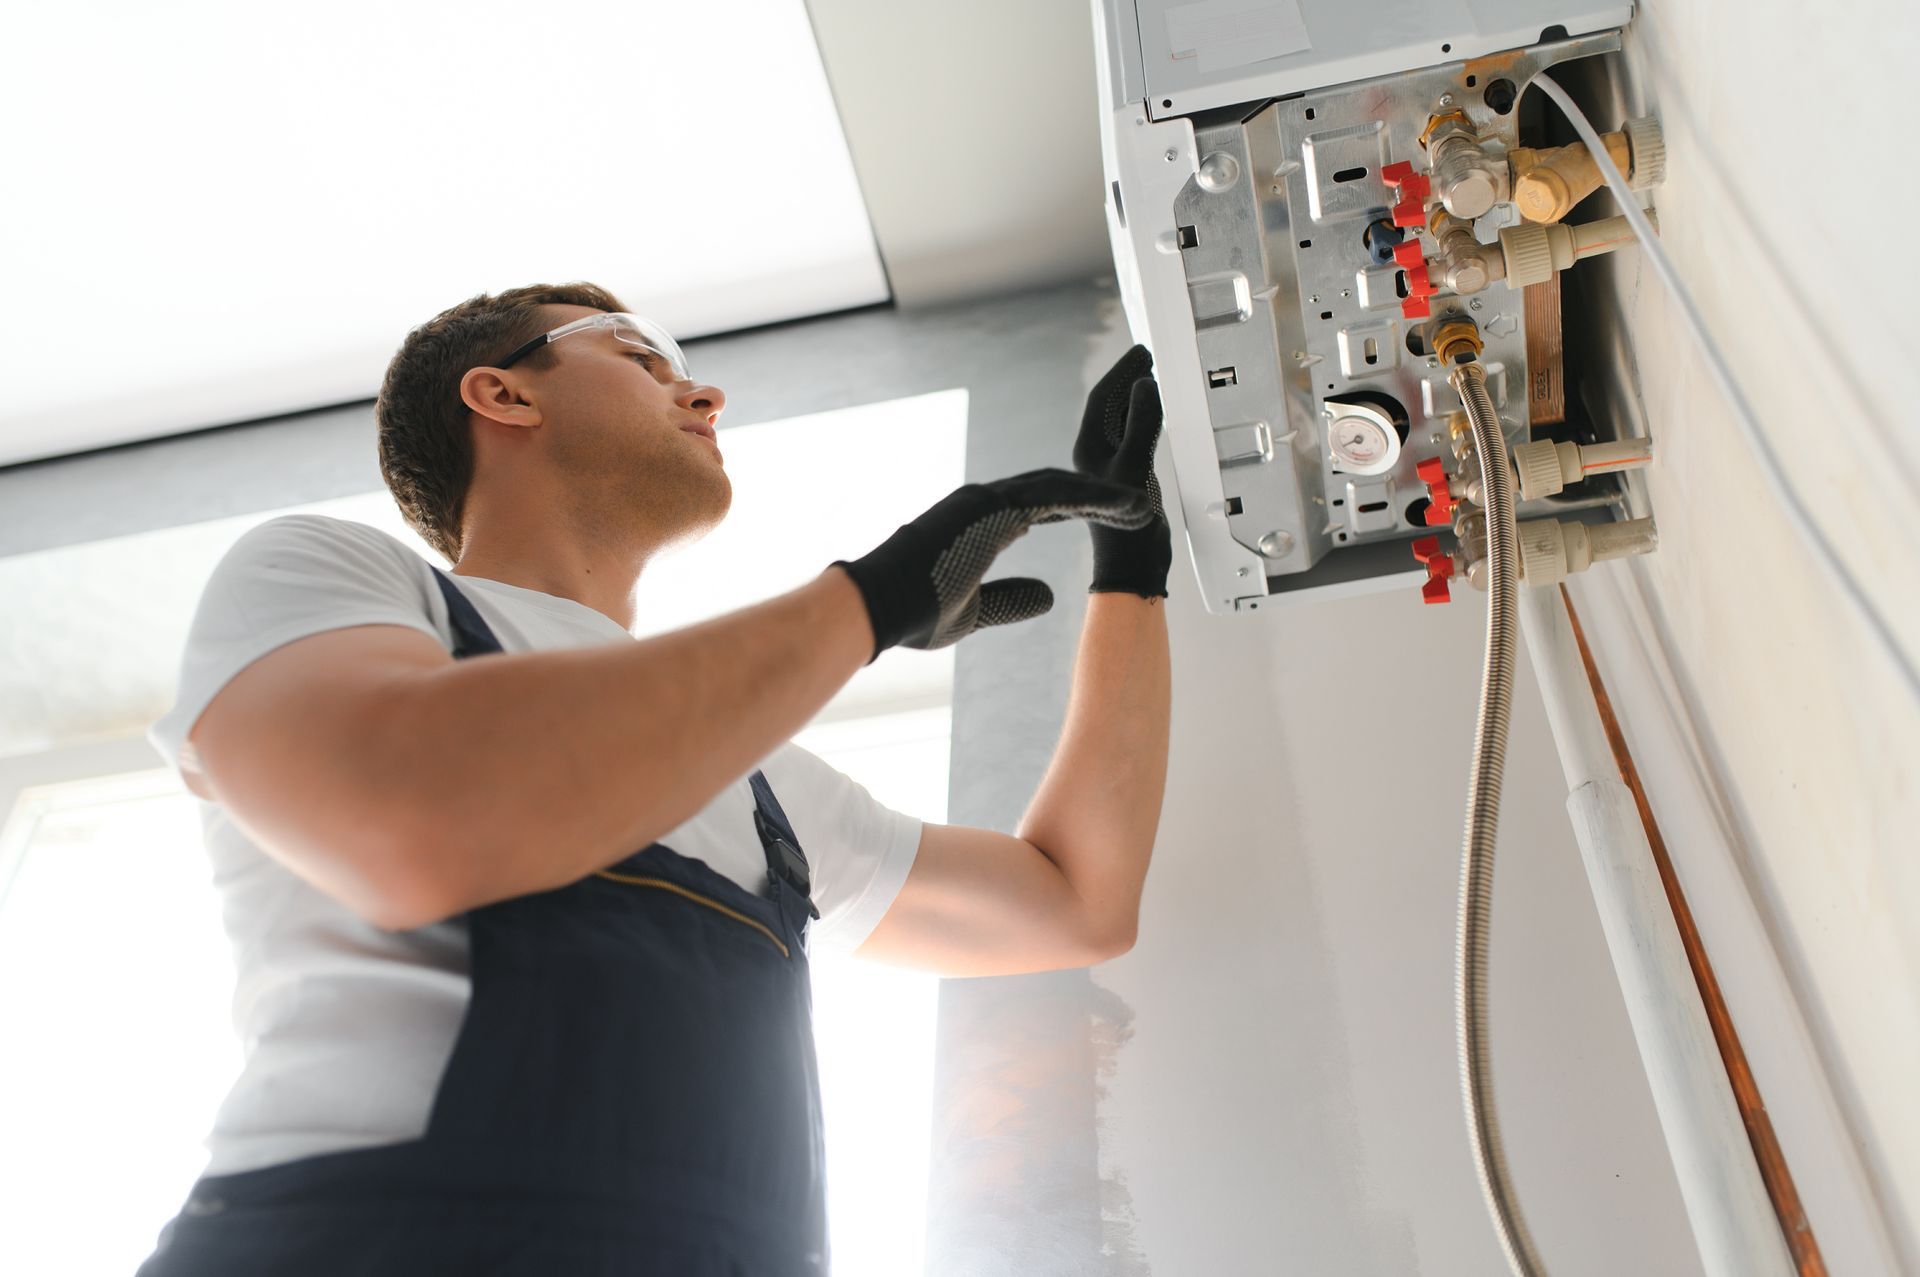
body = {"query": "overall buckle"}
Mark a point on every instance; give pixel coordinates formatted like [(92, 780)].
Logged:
[(790, 864)]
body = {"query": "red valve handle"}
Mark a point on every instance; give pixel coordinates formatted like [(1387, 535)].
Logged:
[(1414, 189), (1433, 473), (1419, 282), (1412, 185), (1439, 567)]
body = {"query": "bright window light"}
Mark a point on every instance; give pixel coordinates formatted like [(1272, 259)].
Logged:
[(226, 210), (874, 1025), (114, 980)]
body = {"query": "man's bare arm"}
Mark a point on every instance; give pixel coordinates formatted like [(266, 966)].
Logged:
[(632, 740), (412, 787)]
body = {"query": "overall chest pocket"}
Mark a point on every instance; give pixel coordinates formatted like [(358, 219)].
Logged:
[(649, 882)]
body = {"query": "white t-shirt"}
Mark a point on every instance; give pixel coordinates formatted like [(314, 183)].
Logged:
[(348, 1027)]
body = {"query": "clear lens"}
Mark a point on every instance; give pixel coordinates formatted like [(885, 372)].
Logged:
[(648, 335), (634, 331)]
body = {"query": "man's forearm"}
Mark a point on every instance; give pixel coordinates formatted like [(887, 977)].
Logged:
[(530, 771), (1098, 807)]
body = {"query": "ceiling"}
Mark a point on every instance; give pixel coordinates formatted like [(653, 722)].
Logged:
[(258, 202), (975, 131), (240, 209)]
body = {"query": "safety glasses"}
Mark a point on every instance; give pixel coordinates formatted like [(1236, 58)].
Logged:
[(629, 329)]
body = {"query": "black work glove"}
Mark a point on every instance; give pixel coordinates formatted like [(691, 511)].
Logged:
[(922, 584), (1118, 434)]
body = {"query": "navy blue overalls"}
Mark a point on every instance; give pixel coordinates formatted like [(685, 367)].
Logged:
[(633, 1091)]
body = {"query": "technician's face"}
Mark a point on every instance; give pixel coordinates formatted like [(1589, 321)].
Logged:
[(620, 425)]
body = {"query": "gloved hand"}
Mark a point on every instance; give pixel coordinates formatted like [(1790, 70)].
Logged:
[(922, 584), (1118, 433)]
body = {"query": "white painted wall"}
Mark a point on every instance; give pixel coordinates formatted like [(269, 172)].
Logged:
[(1784, 131)]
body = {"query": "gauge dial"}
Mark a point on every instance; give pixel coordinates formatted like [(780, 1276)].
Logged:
[(1362, 443)]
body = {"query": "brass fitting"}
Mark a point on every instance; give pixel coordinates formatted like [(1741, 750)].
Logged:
[(1456, 118), (1452, 337), (1459, 435)]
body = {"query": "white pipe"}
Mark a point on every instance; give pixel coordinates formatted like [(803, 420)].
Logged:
[(1598, 458), (1734, 1226)]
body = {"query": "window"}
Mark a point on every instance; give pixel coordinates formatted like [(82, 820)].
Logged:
[(115, 976), (114, 979)]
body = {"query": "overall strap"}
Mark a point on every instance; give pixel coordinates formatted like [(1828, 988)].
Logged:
[(785, 860), (471, 637)]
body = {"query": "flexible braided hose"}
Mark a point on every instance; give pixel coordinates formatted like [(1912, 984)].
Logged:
[(1483, 822)]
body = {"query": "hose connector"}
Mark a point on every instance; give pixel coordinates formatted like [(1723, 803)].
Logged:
[(1455, 339)]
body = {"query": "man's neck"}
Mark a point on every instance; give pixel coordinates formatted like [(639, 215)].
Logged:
[(597, 578)]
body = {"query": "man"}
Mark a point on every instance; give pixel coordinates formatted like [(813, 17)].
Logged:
[(484, 1032)]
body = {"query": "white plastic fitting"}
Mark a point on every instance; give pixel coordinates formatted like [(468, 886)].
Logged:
[(1551, 551), (1534, 251), (1648, 146), (1546, 467)]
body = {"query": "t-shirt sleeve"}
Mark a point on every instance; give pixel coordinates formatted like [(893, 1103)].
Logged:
[(288, 578), (858, 849)]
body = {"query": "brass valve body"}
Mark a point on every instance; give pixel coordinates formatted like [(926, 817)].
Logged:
[(1548, 183)]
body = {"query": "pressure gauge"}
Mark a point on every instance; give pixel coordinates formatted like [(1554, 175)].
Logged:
[(1361, 438)]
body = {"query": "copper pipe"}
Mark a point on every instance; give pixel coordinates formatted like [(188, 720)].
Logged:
[(1794, 1225)]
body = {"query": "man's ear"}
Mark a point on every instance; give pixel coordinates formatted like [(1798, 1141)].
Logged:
[(499, 396)]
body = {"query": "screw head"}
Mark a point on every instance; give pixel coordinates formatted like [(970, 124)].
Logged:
[(1446, 99), (1314, 300), (1474, 304), (1172, 156), (1346, 292), (1275, 544), (1218, 172)]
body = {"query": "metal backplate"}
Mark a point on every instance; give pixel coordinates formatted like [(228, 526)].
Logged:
[(1289, 309)]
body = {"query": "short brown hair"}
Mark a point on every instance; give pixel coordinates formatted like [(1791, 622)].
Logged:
[(426, 446)]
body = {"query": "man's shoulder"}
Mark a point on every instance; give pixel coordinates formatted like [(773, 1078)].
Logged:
[(312, 539), (288, 568), (310, 527)]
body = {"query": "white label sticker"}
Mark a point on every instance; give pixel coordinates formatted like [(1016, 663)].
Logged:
[(1220, 34)]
